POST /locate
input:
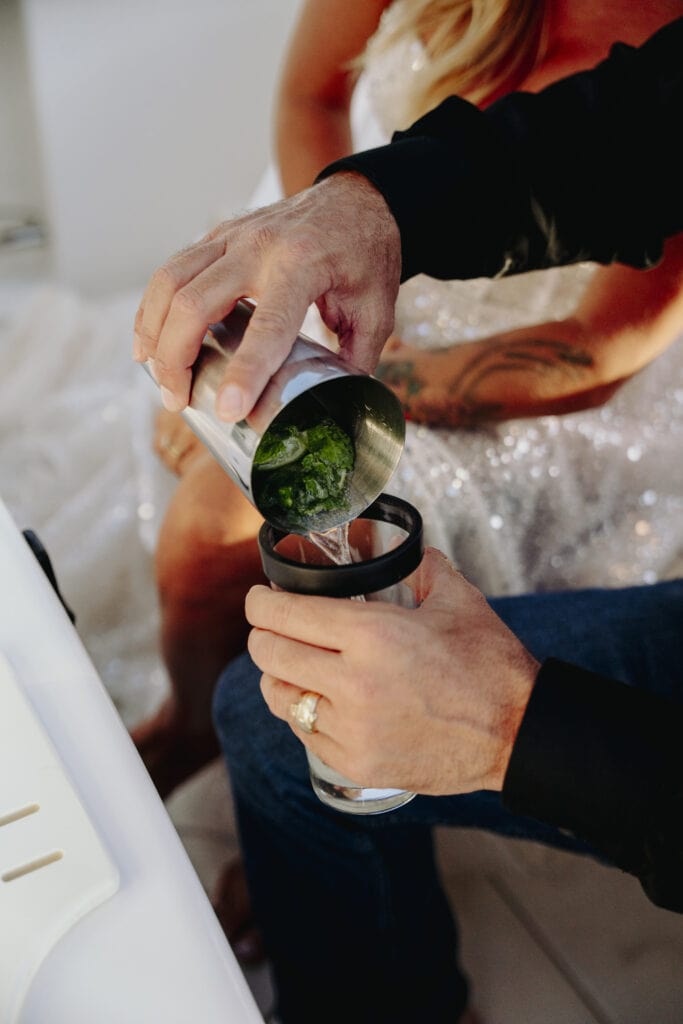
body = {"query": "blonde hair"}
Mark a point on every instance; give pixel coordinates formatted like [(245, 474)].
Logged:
[(474, 48)]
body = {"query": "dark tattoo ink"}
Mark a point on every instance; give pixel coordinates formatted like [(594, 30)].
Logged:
[(541, 356), (401, 375)]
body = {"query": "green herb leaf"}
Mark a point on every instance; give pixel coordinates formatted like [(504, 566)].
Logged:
[(308, 470)]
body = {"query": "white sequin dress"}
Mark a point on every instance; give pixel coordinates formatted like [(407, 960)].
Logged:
[(588, 499)]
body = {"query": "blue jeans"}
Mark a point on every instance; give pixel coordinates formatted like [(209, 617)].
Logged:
[(355, 920)]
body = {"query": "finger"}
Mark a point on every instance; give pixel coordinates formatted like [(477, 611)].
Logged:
[(362, 341), (324, 622), (208, 298), (302, 665), (138, 350), (279, 696), (267, 341), (163, 286)]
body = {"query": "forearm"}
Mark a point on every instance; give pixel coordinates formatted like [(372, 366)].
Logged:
[(312, 125), (602, 760), (631, 316), (309, 135), (585, 169), (624, 319), (536, 371)]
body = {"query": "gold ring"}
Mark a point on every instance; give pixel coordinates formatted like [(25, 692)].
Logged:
[(172, 450), (304, 711)]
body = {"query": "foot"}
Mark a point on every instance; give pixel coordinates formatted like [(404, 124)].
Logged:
[(233, 910), (174, 442), (170, 752)]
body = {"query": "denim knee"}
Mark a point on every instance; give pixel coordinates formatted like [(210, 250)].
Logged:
[(632, 634), (267, 763)]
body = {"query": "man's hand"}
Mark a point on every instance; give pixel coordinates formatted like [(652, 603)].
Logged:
[(335, 244), (429, 700)]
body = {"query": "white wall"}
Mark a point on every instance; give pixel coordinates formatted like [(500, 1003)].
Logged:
[(20, 178), (154, 116)]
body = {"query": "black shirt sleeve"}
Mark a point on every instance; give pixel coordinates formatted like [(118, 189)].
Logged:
[(588, 168), (605, 761)]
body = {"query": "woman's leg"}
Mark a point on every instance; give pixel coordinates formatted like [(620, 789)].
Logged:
[(206, 560)]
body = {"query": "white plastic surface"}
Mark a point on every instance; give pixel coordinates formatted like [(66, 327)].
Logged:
[(154, 950), (53, 867)]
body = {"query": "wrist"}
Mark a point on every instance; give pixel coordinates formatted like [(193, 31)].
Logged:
[(357, 193), (510, 712)]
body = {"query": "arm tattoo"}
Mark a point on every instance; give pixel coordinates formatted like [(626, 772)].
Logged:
[(402, 375), (543, 357), (458, 402)]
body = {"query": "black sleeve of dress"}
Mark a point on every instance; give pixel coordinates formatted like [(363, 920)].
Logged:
[(605, 761), (586, 169)]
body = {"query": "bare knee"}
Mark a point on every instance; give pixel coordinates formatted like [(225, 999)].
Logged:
[(207, 541)]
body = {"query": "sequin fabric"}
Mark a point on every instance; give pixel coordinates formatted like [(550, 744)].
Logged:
[(77, 467), (588, 499)]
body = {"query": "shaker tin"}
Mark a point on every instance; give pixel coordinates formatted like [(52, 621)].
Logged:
[(361, 405)]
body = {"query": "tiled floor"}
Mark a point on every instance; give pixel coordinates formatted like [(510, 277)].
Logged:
[(547, 937)]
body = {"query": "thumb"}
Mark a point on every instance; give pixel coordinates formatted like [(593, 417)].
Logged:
[(436, 581)]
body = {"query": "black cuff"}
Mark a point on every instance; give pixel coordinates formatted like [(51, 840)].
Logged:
[(447, 181), (593, 756)]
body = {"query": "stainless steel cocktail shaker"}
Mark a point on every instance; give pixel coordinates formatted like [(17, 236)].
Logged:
[(360, 404)]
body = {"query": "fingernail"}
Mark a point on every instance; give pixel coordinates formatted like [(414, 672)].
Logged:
[(138, 353), (170, 401), (151, 366), (230, 403)]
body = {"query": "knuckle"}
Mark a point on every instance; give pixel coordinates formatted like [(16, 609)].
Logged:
[(262, 238), (287, 658), (359, 689), (162, 370), (257, 645), (299, 248), (189, 303), (246, 366), (267, 687), (214, 233), (282, 615), (148, 338), (270, 321), (177, 381), (165, 278), (387, 632)]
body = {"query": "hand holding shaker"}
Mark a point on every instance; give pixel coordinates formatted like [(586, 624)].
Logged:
[(386, 544), (313, 384), (338, 433)]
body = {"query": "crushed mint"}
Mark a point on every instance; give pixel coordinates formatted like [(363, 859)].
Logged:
[(303, 471), (280, 447)]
